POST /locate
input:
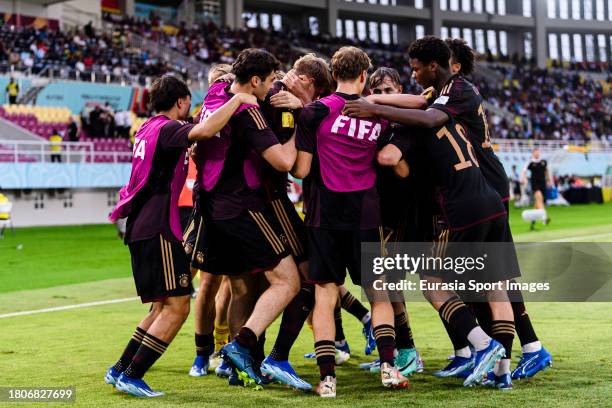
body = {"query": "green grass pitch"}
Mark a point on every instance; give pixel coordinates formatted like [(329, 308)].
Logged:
[(48, 267)]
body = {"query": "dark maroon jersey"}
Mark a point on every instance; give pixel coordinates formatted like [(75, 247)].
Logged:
[(151, 207), (461, 100)]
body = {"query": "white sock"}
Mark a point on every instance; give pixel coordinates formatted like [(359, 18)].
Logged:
[(340, 343), (463, 352), (366, 318), (502, 367), (532, 347), (478, 338)]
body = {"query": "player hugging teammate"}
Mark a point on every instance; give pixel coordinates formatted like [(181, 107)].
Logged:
[(373, 170)]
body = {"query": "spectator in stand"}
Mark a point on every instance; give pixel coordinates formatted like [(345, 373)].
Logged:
[(73, 130), (12, 90), (56, 146)]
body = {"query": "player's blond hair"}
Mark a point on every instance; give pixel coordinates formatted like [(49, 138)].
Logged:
[(217, 71), (349, 62), (317, 69)]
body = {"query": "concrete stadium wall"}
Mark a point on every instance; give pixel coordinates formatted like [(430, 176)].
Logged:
[(68, 207)]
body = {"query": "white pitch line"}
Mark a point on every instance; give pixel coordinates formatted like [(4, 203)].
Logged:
[(581, 237), (67, 307)]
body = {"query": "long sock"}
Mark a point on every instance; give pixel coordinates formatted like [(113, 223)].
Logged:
[(149, 351), (459, 342), (524, 329), (463, 322), (503, 332), (246, 338), (353, 306), (385, 342), (292, 322), (325, 351), (130, 350), (482, 311), (258, 351), (221, 334), (205, 344), (403, 333), (338, 321)]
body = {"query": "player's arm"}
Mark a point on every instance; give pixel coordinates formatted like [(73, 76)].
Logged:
[(399, 100), (429, 118), (286, 100), (306, 136), (263, 140), (217, 121), (548, 177), (281, 156), (524, 175)]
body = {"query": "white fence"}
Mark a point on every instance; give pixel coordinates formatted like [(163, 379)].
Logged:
[(68, 152)]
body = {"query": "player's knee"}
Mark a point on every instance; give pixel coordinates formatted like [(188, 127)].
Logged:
[(178, 309), (293, 287)]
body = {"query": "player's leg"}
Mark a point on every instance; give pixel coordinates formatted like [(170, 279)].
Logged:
[(221, 332), (161, 273), (243, 296), (463, 322), (408, 359), (277, 365), (204, 312), (352, 305), (383, 318), (173, 314), (535, 357), (326, 296), (327, 267), (284, 286), (132, 347), (343, 351)]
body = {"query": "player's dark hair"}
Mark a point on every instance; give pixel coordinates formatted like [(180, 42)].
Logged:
[(430, 49), (349, 62), (254, 62), (380, 74), (165, 91), (462, 53)]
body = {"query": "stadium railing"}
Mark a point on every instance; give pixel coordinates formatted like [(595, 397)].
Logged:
[(528, 145), (12, 151)]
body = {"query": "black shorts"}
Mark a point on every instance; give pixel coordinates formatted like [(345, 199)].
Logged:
[(292, 226), (501, 261), (538, 186), (194, 240), (333, 252), (160, 268), (252, 242), (185, 215)]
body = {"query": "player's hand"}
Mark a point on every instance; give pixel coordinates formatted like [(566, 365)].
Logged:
[(229, 78), (430, 94), (372, 98), (298, 85), (284, 99), (359, 108), (247, 99)]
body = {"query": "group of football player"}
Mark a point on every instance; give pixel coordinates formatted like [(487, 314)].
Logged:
[(377, 166)]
